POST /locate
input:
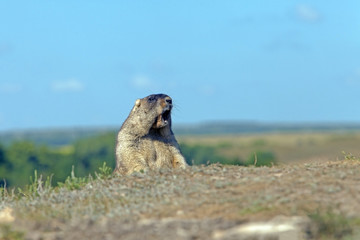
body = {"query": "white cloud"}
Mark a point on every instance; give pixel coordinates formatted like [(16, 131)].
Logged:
[(70, 85), (10, 88), (143, 82), (307, 13)]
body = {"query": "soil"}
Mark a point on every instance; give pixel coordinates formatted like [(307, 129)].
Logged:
[(206, 202)]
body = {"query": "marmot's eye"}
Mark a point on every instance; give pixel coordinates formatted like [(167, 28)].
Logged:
[(151, 99)]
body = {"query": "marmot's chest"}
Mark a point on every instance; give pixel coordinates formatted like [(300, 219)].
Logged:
[(159, 153)]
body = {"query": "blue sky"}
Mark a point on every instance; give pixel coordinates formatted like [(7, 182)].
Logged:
[(84, 63)]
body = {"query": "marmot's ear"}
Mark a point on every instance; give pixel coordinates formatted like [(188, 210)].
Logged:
[(137, 103)]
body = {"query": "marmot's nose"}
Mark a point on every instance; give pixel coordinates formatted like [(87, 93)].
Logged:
[(168, 100)]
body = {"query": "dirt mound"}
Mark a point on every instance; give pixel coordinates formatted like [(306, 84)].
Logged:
[(306, 201)]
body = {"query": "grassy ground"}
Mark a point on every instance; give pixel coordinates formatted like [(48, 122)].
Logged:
[(198, 203)]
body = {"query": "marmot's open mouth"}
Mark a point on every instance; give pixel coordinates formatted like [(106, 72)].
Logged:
[(162, 120), (166, 115)]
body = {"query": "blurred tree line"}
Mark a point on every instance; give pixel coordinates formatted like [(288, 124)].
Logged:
[(205, 155), (19, 159)]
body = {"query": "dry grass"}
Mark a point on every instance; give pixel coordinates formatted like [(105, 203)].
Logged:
[(200, 201)]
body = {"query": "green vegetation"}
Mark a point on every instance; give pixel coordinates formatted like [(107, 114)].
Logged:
[(52, 184), (349, 156), (205, 155), (334, 226), (261, 158), (280, 147), (7, 233), (38, 186), (19, 160), (84, 156)]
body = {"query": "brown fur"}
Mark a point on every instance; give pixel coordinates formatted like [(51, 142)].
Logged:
[(145, 140)]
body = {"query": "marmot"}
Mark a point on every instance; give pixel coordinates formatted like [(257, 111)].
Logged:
[(145, 140)]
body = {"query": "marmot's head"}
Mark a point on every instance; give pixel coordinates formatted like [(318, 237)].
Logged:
[(157, 108)]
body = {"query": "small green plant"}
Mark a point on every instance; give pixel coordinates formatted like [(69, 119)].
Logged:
[(37, 186), (349, 156), (74, 183), (3, 191), (104, 172), (6, 233), (331, 225), (261, 158)]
